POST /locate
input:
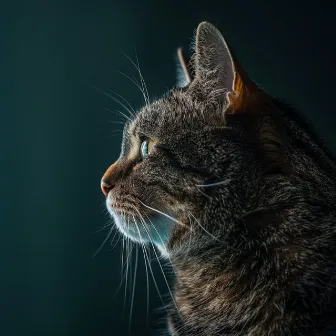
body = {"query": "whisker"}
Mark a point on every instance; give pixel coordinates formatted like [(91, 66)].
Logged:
[(104, 242), (114, 134), (129, 249), (104, 227), (126, 271), (157, 258), (132, 110), (162, 213), (135, 82), (143, 85), (189, 243), (158, 235), (122, 267), (104, 209), (113, 228), (120, 285), (121, 113), (213, 184), (204, 229), (147, 279), (141, 76), (115, 244), (114, 98), (134, 283), (122, 255), (152, 273), (116, 122), (204, 194)]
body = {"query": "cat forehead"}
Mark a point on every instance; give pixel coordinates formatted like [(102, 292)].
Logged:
[(175, 103), (175, 107)]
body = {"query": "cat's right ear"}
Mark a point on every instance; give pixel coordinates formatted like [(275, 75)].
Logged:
[(184, 75)]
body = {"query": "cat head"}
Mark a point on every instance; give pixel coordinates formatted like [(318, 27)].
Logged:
[(202, 140)]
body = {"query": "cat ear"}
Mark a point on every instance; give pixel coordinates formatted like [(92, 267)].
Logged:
[(184, 76), (217, 70), (219, 75)]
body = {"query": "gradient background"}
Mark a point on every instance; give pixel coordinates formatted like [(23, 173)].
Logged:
[(57, 141)]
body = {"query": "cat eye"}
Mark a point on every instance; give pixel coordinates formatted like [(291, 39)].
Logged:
[(146, 148)]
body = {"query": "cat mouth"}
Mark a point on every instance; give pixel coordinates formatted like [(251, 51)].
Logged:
[(122, 208), (140, 224)]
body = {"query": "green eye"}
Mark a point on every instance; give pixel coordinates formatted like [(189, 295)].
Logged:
[(147, 147)]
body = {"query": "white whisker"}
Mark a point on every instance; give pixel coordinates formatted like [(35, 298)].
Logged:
[(213, 184), (205, 230), (135, 82), (153, 277), (103, 243), (115, 244), (143, 85), (141, 76), (189, 244), (129, 250), (123, 274), (116, 100), (163, 243), (162, 213), (116, 122), (158, 259), (147, 279), (104, 227), (120, 113), (131, 110), (134, 283)]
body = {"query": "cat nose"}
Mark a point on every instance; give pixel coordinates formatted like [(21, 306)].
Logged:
[(111, 177), (105, 187)]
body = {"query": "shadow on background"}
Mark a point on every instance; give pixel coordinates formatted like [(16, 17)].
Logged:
[(57, 140)]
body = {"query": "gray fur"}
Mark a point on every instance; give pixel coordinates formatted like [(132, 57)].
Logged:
[(253, 255)]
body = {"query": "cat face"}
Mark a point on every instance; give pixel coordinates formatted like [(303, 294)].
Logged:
[(180, 143), (153, 186)]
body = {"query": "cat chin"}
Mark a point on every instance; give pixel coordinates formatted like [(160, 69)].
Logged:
[(156, 231)]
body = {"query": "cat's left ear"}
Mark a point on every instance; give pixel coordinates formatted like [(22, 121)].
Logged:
[(184, 74), (218, 72)]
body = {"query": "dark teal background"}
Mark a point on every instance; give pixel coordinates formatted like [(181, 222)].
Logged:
[(56, 141)]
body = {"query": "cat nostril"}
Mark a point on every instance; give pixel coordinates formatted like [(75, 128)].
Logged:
[(105, 187)]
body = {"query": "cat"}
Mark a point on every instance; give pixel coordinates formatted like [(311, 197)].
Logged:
[(237, 191)]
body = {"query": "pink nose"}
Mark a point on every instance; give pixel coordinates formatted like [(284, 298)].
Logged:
[(105, 187)]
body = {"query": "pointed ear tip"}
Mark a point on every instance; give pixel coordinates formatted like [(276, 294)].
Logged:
[(205, 28)]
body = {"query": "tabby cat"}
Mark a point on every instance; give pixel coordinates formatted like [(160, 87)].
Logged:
[(237, 191)]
